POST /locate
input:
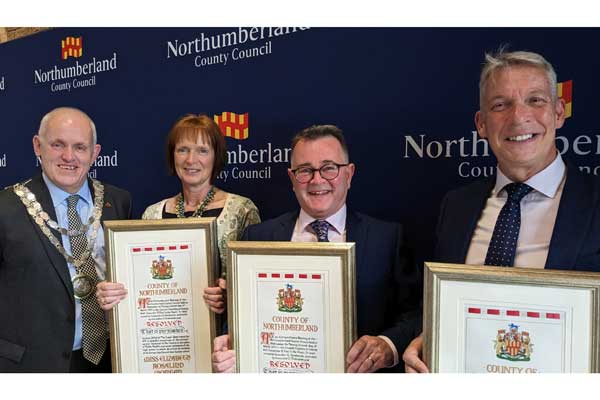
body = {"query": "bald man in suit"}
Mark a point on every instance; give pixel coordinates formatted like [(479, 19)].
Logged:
[(46, 281)]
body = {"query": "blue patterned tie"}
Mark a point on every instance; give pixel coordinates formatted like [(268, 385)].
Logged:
[(321, 228), (503, 246)]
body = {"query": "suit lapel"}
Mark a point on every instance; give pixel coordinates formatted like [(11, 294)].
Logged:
[(284, 231), (458, 222), (38, 187), (572, 221), (356, 232), (108, 204), (473, 206)]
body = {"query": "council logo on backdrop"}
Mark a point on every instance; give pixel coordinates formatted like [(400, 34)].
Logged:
[(472, 151), (245, 161), (2, 84), (565, 92), (73, 71), (71, 47), (233, 125)]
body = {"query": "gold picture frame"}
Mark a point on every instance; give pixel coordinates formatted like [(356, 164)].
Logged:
[(291, 305), (510, 320), (164, 324)]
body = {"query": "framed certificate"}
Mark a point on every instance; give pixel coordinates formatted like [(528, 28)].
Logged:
[(163, 326), (510, 320), (291, 305)]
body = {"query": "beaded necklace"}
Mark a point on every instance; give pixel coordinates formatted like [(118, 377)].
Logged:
[(180, 207)]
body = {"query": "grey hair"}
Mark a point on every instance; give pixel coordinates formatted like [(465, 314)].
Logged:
[(46, 118), (503, 59)]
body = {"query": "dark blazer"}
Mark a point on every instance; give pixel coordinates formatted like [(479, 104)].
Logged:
[(37, 308), (388, 288), (575, 243)]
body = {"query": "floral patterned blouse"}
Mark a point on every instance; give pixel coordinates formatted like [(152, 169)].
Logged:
[(238, 212)]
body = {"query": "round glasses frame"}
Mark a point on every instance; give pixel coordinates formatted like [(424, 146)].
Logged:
[(327, 171)]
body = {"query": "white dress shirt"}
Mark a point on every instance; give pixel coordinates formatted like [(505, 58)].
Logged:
[(303, 232), (538, 215)]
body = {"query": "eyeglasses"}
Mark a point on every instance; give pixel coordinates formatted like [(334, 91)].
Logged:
[(328, 171)]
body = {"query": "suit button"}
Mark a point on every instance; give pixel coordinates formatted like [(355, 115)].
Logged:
[(66, 354)]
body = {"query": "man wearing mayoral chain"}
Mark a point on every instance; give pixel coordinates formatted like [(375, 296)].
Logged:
[(52, 254)]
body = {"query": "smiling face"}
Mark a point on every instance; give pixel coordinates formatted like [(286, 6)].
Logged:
[(66, 149), (319, 197), (519, 118), (194, 161)]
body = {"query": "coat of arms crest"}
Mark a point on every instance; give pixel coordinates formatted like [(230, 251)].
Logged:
[(289, 299), (161, 268), (513, 345)]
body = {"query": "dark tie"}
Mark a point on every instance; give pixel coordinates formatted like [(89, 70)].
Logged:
[(321, 228), (94, 324), (503, 245)]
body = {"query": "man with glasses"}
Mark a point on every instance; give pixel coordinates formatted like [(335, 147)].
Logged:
[(386, 282)]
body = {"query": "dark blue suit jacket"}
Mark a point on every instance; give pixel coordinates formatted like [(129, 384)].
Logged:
[(388, 288), (575, 243)]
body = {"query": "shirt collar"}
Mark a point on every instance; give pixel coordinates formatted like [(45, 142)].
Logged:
[(59, 196), (337, 220), (546, 181)]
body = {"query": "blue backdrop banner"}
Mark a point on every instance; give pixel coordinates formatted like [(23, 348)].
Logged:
[(405, 99)]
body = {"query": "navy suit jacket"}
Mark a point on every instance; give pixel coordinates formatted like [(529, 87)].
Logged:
[(37, 308), (575, 243), (388, 287)]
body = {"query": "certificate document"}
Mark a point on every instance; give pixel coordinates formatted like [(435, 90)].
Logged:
[(480, 319), (514, 338), (291, 320), (164, 313), (163, 325), (291, 306)]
